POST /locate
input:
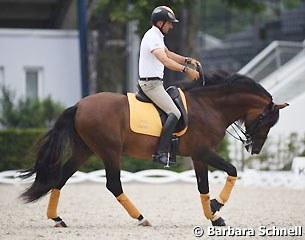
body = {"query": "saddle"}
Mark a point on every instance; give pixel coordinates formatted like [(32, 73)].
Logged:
[(147, 118), (174, 93)]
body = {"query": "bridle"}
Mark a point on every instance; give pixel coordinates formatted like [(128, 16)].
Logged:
[(247, 141), (248, 134)]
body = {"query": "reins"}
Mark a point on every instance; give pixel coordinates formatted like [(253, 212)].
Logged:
[(247, 141), (252, 129)]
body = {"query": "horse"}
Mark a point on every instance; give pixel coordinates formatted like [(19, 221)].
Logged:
[(99, 124)]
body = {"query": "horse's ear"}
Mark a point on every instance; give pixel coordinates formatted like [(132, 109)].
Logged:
[(280, 106)]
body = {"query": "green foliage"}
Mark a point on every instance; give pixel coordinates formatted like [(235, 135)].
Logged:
[(223, 149), (251, 5), (15, 148), (135, 165), (17, 151), (303, 144), (278, 154), (222, 17), (289, 4), (119, 11), (27, 113), (141, 9)]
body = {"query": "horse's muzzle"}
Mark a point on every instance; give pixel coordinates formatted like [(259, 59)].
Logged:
[(255, 151)]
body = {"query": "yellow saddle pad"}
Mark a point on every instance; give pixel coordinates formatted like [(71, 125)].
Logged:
[(145, 118)]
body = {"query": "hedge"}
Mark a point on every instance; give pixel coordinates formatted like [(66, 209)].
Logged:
[(16, 146), (17, 152)]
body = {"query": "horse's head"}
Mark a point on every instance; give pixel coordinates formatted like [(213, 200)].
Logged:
[(258, 127)]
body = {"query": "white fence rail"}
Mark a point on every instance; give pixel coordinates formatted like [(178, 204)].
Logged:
[(247, 178)]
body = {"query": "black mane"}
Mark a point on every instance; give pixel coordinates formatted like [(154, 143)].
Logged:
[(222, 78)]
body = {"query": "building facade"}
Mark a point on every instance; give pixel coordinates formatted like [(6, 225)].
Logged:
[(41, 63)]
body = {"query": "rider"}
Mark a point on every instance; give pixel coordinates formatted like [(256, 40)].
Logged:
[(154, 55)]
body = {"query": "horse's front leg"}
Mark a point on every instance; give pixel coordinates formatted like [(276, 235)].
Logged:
[(219, 163), (201, 170)]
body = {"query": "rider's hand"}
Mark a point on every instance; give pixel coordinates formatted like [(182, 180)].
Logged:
[(192, 73), (194, 62)]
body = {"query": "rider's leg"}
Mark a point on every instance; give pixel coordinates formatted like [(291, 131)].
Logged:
[(165, 139), (156, 92)]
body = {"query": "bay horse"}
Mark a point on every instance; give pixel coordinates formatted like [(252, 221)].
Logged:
[(99, 124)]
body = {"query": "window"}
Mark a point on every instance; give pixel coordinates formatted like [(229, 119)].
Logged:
[(33, 83), (1, 79), (1, 76)]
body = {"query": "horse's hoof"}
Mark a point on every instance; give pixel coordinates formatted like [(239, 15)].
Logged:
[(219, 222), (215, 205), (60, 224), (144, 223)]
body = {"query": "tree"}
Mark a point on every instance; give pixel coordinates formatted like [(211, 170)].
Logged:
[(120, 11), (111, 17)]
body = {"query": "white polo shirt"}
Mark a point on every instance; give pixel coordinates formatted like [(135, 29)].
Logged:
[(149, 65)]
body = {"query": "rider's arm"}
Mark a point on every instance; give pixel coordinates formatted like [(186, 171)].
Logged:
[(171, 64), (160, 54), (180, 59), (174, 56)]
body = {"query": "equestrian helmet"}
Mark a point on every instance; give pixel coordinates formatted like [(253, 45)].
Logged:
[(163, 13)]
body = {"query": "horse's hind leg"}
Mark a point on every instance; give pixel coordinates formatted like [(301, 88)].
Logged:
[(79, 156), (114, 185)]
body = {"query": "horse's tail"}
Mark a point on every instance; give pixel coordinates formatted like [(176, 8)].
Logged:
[(50, 150)]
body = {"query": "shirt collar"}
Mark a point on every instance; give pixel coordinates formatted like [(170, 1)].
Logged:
[(157, 30)]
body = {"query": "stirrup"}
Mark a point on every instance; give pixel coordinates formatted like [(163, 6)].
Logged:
[(164, 158), (173, 163), (160, 157)]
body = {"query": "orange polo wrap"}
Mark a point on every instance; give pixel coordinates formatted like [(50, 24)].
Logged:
[(53, 202), (226, 191), (129, 207), (205, 202)]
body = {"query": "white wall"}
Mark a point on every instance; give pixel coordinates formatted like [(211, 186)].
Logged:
[(292, 118), (287, 84), (54, 52)]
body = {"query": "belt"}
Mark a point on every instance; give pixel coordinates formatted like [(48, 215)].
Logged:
[(150, 79)]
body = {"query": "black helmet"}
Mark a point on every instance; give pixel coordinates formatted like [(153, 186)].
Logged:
[(163, 13)]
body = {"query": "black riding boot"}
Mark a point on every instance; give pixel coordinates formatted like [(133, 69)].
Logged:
[(165, 139)]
